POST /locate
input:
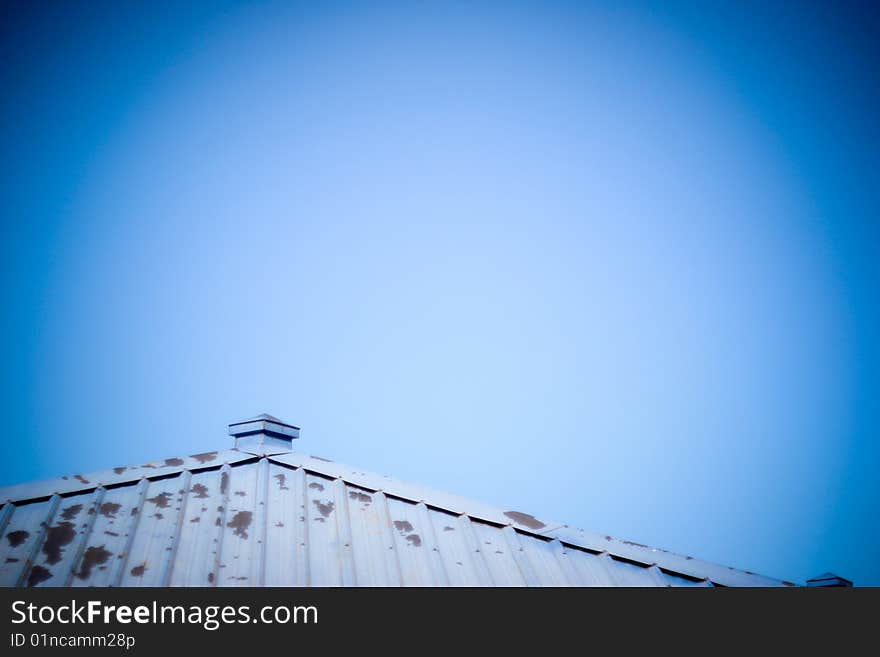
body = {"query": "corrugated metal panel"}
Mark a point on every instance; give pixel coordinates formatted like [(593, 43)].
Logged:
[(235, 519)]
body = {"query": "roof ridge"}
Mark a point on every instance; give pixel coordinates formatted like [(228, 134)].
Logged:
[(445, 501)]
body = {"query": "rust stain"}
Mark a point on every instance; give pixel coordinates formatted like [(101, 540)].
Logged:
[(161, 500), (447, 528), (316, 486), (240, 523), (109, 533), (134, 511), (56, 538), (360, 497), (204, 457), (82, 479), (119, 470), (196, 519), (109, 509), (320, 458), (158, 515), (240, 493), (414, 539), (279, 524), (403, 526), (37, 575), (173, 462), (224, 482), (325, 508), (70, 512), (11, 560), (138, 571), (282, 480), (524, 519), (636, 544), (200, 490), (94, 556), (211, 577)]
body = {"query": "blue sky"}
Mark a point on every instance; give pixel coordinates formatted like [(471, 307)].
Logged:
[(614, 264)]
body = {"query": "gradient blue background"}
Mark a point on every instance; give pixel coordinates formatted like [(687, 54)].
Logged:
[(614, 264)]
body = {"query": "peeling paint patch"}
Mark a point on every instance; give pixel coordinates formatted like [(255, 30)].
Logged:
[(119, 470), (316, 486), (205, 457), (282, 480), (173, 463), (240, 523), (403, 526), (56, 538), (37, 575), (360, 497), (70, 512), (324, 508), (138, 571), (161, 500), (109, 509), (524, 519), (200, 490), (94, 556), (415, 540)]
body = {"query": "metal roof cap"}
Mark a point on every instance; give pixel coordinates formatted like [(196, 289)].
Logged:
[(263, 435), (828, 579)]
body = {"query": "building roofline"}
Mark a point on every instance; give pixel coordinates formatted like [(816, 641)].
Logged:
[(441, 500)]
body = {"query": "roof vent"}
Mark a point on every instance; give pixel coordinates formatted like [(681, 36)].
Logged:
[(263, 435), (828, 579)]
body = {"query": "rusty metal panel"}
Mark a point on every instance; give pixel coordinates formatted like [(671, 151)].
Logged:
[(407, 531), (324, 545), (375, 553), (285, 537), (155, 524), (461, 569), (21, 537), (65, 540), (120, 475), (239, 547), (196, 535), (233, 519)]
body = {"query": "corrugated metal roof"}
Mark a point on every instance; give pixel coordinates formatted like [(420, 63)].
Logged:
[(263, 518)]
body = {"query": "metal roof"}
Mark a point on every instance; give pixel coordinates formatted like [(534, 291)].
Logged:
[(264, 515)]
